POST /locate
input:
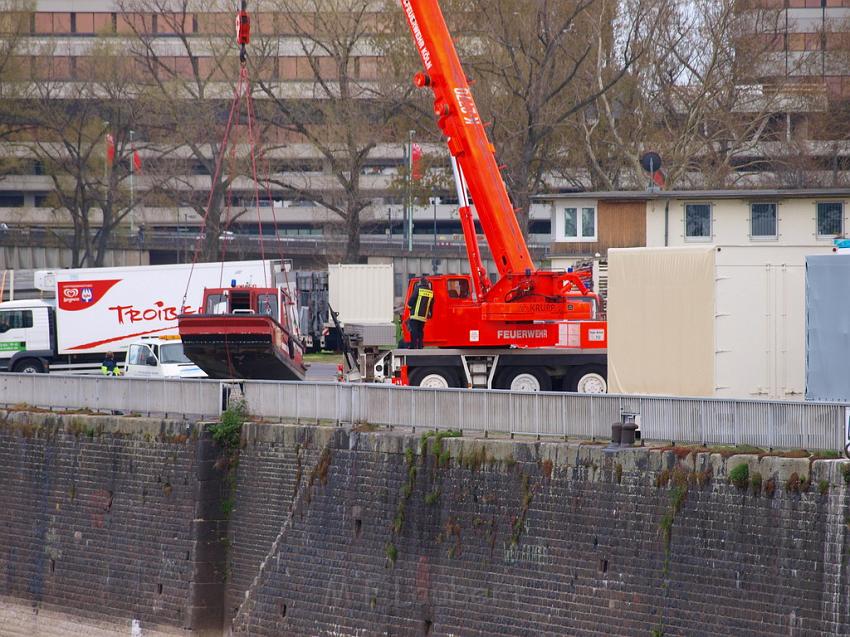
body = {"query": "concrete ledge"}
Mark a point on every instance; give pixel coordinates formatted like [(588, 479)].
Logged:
[(45, 423), (562, 454)]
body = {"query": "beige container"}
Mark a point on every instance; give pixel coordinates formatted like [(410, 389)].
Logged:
[(723, 321), (361, 293)]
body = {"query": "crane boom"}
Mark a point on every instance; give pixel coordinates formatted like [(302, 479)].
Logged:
[(458, 118)]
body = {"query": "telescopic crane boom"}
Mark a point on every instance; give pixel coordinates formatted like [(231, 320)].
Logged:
[(458, 118)]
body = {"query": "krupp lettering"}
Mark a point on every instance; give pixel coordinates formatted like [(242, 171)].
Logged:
[(466, 106), (132, 314), (417, 34), (518, 334)]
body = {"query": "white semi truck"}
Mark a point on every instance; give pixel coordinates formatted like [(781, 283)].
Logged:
[(98, 310)]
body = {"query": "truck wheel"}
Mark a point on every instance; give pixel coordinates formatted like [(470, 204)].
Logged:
[(29, 366), (590, 379), (434, 377), (524, 379)]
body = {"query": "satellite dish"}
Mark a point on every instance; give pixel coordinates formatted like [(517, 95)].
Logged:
[(650, 162)]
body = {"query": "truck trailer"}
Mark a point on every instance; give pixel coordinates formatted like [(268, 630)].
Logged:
[(98, 310)]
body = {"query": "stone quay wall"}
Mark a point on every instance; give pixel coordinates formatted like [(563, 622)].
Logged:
[(111, 525)]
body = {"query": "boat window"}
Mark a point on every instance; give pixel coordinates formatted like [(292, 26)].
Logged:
[(217, 304), (267, 304), (240, 301)]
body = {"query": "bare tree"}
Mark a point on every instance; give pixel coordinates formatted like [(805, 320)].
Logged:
[(699, 96), (75, 121), (189, 78), (15, 17), (327, 91), (534, 63)]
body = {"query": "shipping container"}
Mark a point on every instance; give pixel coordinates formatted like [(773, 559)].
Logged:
[(828, 327), (361, 293), (724, 321)]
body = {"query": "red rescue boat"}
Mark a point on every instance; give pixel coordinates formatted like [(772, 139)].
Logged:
[(245, 332)]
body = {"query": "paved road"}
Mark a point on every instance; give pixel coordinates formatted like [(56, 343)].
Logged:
[(321, 372)]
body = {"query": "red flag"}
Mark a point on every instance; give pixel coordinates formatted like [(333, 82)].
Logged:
[(137, 161), (110, 149), (416, 161)]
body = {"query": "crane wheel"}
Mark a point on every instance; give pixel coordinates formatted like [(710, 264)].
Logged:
[(524, 379), (589, 379), (434, 377)]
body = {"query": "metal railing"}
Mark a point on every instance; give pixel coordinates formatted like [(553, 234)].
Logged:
[(172, 398), (712, 421)]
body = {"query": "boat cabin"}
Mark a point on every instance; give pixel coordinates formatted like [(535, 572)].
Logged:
[(245, 300)]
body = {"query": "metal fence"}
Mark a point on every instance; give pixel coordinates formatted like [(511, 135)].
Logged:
[(712, 421)]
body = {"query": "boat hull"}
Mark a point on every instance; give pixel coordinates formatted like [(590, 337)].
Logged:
[(241, 346)]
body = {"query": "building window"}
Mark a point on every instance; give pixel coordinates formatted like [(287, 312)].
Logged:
[(11, 200), (830, 219), (698, 221), (580, 224), (763, 220)]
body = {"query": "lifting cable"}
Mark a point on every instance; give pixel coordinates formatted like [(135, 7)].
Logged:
[(241, 92)]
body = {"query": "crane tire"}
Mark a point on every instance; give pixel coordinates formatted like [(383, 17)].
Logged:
[(523, 379), (434, 377), (588, 379)]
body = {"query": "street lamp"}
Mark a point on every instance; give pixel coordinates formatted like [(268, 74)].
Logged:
[(409, 197), (435, 201), (132, 190)]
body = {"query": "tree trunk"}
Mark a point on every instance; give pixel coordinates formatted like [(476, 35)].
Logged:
[(106, 223), (211, 244), (85, 259), (521, 196), (75, 248), (352, 239), (522, 200)]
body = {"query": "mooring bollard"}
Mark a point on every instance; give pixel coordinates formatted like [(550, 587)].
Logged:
[(616, 433)]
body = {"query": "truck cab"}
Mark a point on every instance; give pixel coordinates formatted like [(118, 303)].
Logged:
[(25, 336), (160, 357)]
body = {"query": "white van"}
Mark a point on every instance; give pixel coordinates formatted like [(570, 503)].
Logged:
[(160, 357)]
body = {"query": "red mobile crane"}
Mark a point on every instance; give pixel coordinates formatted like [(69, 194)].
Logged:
[(530, 329)]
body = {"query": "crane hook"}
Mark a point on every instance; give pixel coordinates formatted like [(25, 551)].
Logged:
[(243, 31)]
